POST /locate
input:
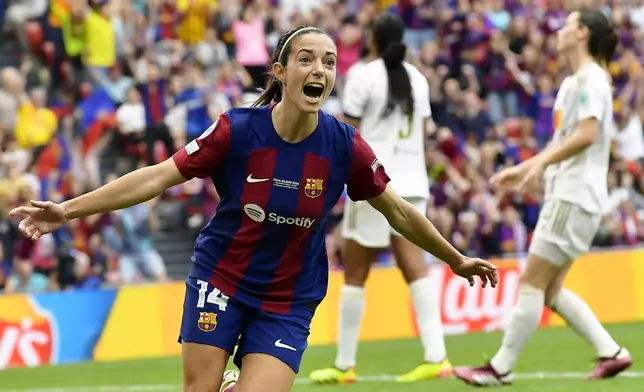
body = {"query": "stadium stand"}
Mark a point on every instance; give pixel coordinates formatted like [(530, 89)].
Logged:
[(90, 90)]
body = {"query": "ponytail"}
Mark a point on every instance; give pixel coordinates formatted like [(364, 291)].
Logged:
[(272, 93), (603, 37), (607, 49), (400, 90), (388, 31)]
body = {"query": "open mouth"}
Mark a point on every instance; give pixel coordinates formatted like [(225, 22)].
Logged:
[(313, 90)]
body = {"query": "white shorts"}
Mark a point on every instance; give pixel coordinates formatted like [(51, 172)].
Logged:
[(564, 232), (368, 227)]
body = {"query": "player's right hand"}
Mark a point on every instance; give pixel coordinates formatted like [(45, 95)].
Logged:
[(40, 218), (469, 267), (508, 179)]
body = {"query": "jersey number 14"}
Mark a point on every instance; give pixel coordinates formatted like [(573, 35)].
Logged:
[(216, 297)]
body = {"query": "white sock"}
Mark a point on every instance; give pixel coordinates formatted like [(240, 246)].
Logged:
[(428, 316), (351, 311), (525, 320), (581, 318)]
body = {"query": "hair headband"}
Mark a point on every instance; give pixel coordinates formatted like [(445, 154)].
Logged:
[(279, 58)]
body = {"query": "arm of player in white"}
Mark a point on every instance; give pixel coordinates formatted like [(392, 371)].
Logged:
[(583, 137), (414, 226), (591, 108)]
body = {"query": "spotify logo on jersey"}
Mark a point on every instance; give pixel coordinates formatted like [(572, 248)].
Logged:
[(255, 212)]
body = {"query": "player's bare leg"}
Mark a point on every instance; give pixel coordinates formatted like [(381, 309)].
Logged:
[(428, 315), (540, 277), (613, 359), (357, 263), (264, 373), (203, 367), (525, 320)]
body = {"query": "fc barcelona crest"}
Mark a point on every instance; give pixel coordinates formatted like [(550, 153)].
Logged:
[(207, 321), (313, 187)]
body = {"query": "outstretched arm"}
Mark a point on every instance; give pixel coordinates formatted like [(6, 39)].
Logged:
[(133, 188), (368, 181), (198, 159), (405, 219)]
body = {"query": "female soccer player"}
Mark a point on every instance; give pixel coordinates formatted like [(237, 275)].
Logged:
[(575, 167), (388, 99), (259, 266)]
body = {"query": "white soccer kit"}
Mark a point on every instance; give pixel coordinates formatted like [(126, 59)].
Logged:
[(576, 189), (396, 139)]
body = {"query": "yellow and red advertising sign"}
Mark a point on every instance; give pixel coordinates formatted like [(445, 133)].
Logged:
[(143, 321)]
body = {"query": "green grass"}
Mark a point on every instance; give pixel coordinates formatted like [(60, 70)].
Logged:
[(555, 350)]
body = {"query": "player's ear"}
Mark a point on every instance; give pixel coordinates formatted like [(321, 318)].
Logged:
[(279, 72)]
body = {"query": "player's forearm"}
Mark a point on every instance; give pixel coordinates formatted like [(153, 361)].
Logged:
[(419, 230), (133, 188), (574, 145)]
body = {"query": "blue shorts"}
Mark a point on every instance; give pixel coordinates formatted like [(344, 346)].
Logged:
[(212, 318)]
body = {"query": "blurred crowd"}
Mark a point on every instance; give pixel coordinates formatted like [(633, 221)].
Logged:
[(101, 87)]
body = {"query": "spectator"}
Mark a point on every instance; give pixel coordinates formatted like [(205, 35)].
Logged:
[(250, 44), (8, 237), (12, 88), (514, 238), (195, 97), (130, 81), (116, 84), (420, 18), (20, 12), (138, 256), (193, 16), (497, 16), (83, 274), (211, 53), (100, 49), (465, 236), (502, 100), (23, 279), (153, 92), (13, 154), (130, 117), (36, 125)]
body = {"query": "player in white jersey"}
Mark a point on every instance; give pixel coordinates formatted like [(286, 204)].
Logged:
[(388, 100), (574, 168)]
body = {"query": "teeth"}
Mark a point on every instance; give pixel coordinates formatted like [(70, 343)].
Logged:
[(315, 85)]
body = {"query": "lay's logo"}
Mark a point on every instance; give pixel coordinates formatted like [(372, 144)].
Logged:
[(26, 333)]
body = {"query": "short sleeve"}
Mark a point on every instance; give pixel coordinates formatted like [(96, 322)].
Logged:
[(355, 96), (202, 156), (424, 108), (367, 177), (591, 99)]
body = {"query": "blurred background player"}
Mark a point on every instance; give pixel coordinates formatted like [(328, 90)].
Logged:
[(388, 99), (575, 167), (260, 267)]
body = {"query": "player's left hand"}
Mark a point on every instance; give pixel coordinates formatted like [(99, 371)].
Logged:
[(471, 267)]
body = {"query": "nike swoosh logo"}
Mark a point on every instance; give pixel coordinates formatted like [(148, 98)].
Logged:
[(279, 344), (252, 180)]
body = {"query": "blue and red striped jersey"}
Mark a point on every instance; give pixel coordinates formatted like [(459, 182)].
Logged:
[(265, 245)]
